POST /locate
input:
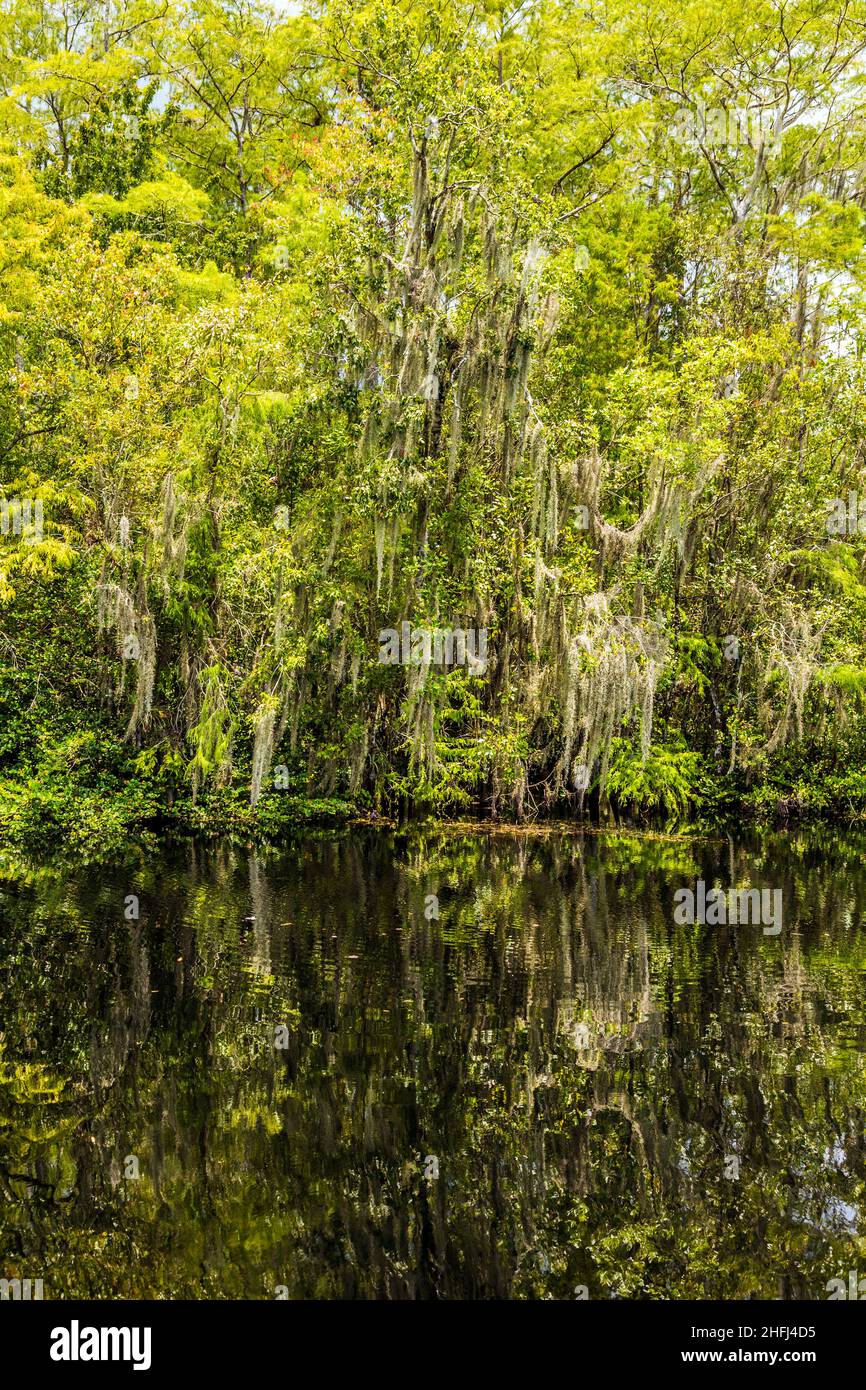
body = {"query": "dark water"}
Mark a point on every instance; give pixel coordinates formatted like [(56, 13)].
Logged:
[(551, 1088)]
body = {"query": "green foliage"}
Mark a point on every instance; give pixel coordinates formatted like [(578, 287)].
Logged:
[(312, 325), (669, 783), (110, 150)]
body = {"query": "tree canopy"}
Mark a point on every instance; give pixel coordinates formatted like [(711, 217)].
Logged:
[(543, 322)]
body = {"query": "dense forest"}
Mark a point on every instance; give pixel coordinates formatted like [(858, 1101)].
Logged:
[(430, 410)]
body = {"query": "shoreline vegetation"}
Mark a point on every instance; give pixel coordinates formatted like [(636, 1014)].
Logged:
[(103, 827), (416, 414)]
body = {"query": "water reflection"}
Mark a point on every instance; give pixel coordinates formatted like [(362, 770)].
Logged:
[(548, 1087)]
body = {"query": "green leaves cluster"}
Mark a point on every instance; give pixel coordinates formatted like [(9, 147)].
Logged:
[(219, 221)]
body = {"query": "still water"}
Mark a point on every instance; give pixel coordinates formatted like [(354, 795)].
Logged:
[(288, 1076)]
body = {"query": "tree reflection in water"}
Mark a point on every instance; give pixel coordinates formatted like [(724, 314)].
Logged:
[(611, 1100)]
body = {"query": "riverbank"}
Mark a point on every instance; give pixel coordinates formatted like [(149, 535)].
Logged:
[(91, 815)]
